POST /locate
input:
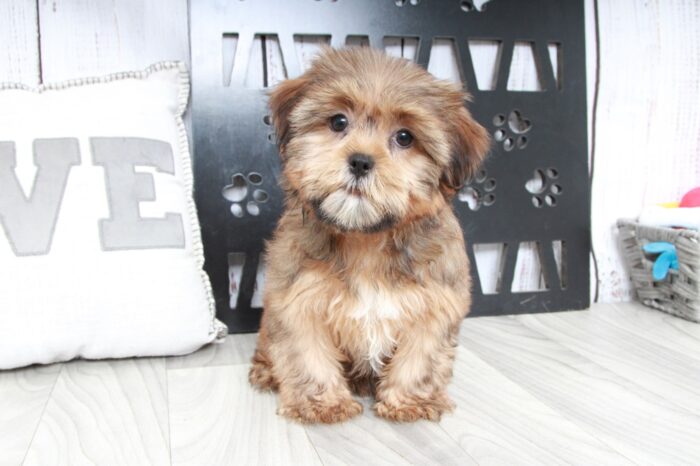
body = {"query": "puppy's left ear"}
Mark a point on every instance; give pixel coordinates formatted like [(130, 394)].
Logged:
[(283, 98), (469, 145)]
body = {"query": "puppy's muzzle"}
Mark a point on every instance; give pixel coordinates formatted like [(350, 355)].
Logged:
[(360, 164)]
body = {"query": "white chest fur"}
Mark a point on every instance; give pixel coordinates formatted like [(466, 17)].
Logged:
[(376, 312)]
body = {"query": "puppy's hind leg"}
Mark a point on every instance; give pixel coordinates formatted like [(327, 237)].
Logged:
[(361, 379), (260, 374)]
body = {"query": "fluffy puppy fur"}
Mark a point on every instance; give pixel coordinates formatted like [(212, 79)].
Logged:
[(367, 276)]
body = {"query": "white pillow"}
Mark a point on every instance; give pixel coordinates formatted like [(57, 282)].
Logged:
[(100, 250)]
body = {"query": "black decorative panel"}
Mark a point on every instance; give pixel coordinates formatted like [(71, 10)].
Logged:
[(532, 191)]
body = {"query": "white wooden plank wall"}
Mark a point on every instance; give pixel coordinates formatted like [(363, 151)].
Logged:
[(94, 37), (648, 122), (19, 42)]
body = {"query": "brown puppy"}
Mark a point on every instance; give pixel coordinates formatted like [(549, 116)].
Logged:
[(367, 276)]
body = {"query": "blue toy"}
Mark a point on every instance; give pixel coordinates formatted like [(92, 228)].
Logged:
[(667, 258)]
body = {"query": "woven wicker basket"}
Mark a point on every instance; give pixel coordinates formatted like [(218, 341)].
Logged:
[(679, 292)]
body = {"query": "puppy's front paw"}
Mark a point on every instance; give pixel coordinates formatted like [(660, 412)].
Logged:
[(310, 412), (430, 409)]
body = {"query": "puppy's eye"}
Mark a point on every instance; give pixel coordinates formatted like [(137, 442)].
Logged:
[(339, 122), (403, 138)]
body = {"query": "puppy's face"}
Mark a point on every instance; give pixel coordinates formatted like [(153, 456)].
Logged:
[(370, 142)]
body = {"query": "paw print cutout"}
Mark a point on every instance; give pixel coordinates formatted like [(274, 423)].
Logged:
[(544, 187), (479, 192), (237, 193), (404, 2), (267, 120), (511, 131), (468, 6)]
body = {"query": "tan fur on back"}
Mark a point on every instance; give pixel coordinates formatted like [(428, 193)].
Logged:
[(367, 278)]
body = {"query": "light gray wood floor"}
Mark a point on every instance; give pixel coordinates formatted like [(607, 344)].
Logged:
[(619, 384)]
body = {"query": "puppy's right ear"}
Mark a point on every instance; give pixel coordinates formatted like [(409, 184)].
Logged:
[(283, 98)]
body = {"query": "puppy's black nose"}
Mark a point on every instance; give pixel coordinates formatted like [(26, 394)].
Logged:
[(360, 164)]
